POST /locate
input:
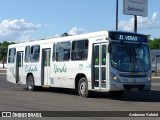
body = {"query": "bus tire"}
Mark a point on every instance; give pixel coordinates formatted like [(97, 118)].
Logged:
[(83, 87), (116, 94), (30, 83)]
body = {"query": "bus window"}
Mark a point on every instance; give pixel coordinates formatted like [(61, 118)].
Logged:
[(96, 54), (53, 56), (35, 51), (104, 49), (63, 51), (79, 50), (27, 54), (11, 56)]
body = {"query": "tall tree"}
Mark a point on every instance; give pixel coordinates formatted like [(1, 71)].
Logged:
[(3, 51)]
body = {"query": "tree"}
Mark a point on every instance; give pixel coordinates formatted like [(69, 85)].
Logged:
[(3, 51), (155, 43)]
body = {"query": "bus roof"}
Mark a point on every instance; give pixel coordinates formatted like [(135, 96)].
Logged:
[(62, 39), (68, 38)]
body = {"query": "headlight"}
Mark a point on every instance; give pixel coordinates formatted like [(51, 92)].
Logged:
[(114, 77), (149, 78)]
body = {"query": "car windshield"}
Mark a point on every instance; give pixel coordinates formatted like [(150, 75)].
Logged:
[(130, 57)]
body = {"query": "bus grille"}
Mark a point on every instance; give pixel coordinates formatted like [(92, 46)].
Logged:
[(132, 76)]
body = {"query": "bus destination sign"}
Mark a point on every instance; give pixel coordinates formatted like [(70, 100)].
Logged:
[(122, 36), (128, 37)]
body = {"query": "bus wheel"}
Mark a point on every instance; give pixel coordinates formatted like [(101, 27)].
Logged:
[(83, 87), (30, 83), (116, 94)]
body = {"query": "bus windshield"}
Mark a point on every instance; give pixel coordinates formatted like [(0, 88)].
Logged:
[(130, 57)]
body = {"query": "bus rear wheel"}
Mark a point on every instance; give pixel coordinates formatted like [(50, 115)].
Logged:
[(30, 83), (83, 87)]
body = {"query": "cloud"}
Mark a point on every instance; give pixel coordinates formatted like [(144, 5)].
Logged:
[(12, 30), (155, 17), (75, 31), (142, 22), (72, 31)]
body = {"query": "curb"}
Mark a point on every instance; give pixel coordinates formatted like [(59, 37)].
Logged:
[(155, 77), (3, 68), (2, 73)]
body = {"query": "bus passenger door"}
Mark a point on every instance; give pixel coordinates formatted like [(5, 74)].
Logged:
[(19, 67), (99, 66), (46, 66)]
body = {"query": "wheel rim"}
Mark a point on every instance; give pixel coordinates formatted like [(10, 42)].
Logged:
[(83, 88), (30, 83)]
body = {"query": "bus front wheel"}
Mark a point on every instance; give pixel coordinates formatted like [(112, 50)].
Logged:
[(30, 83), (83, 87)]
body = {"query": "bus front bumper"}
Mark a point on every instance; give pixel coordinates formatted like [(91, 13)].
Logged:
[(130, 86)]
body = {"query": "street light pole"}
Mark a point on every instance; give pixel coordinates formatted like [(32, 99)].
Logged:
[(116, 14), (135, 23)]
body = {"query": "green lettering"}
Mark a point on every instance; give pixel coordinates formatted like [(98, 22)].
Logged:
[(60, 70), (30, 68)]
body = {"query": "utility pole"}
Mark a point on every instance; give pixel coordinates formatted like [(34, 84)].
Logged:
[(116, 14), (135, 23)]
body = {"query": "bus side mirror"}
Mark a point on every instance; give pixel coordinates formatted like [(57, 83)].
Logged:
[(110, 48)]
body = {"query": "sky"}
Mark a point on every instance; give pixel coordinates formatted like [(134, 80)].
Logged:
[(23, 20)]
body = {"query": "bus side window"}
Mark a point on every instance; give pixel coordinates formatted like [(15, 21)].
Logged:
[(63, 51), (53, 55), (11, 55), (79, 50), (35, 51), (27, 54)]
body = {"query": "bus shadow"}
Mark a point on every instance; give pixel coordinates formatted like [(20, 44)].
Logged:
[(133, 96), (141, 96), (58, 90)]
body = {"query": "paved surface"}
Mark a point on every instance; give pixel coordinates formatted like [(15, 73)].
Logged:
[(2, 70), (16, 98)]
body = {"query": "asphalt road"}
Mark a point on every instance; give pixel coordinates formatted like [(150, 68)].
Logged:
[(16, 98)]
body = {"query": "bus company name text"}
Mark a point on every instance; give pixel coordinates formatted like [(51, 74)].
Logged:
[(60, 69), (30, 68)]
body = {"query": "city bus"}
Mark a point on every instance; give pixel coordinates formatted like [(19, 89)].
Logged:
[(104, 61)]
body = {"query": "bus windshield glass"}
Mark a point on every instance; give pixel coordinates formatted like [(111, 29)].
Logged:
[(130, 57)]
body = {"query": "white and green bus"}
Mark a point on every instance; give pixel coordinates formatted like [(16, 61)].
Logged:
[(105, 61)]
